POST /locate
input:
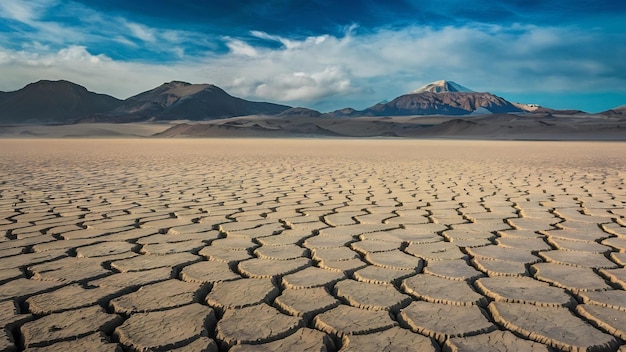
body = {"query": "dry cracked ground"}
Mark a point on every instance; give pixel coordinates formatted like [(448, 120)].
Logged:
[(312, 245)]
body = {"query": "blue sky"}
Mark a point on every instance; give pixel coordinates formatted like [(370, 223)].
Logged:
[(324, 54)]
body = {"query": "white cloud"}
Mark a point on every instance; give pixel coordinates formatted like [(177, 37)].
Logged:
[(142, 32), (89, 26), (263, 35), (98, 73), (240, 48), (125, 41), (305, 86), (290, 44), (79, 54)]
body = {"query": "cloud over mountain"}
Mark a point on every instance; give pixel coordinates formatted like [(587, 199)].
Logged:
[(318, 56)]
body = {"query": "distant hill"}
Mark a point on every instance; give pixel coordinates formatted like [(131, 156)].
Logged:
[(301, 112), (522, 126), (345, 112), (249, 129), (437, 98), (184, 101), (45, 102), (619, 111)]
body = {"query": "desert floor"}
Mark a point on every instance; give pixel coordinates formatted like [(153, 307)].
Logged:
[(294, 245)]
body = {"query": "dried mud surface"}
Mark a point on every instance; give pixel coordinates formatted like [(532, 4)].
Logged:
[(312, 245)]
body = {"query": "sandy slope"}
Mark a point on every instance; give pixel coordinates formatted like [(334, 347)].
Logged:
[(101, 130), (495, 126)]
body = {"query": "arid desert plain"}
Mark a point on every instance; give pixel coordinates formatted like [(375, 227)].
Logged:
[(312, 245)]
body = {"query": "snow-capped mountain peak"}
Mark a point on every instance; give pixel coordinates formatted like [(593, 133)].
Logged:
[(442, 87)]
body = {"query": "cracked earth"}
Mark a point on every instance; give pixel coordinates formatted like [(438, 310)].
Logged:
[(312, 245)]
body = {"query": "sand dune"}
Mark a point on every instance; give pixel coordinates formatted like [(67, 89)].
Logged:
[(85, 130), (311, 244), (493, 126)]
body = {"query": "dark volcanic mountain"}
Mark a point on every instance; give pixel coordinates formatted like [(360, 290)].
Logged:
[(447, 103), (438, 98), (184, 101), (52, 102)]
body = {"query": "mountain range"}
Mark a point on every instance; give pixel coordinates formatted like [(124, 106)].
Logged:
[(63, 102), (183, 101)]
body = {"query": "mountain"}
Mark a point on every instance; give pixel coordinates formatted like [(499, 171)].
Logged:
[(46, 102), (442, 87), (443, 98), (184, 101), (437, 98), (447, 103)]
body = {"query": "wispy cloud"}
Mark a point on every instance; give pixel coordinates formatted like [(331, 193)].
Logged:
[(24, 11), (30, 21), (240, 48), (142, 32)]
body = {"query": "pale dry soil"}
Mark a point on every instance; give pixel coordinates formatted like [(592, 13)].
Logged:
[(312, 245)]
